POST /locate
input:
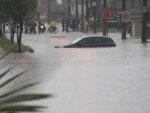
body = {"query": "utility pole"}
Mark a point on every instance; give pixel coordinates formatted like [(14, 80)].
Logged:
[(48, 10), (69, 8), (104, 21), (77, 14), (144, 23), (94, 15), (124, 24), (132, 4), (87, 10), (82, 11)]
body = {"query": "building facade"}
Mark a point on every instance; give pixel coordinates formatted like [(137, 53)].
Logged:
[(49, 9)]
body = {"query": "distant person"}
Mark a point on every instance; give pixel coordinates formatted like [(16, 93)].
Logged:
[(67, 24), (41, 27), (73, 24), (85, 25), (34, 25), (81, 25), (53, 25), (63, 24)]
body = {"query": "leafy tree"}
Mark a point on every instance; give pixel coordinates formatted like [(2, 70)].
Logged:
[(23, 10), (3, 17), (18, 12)]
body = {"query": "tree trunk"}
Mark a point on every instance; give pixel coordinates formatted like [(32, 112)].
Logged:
[(20, 36), (17, 33), (3, 28), (12, 34), (12, 37), (0, 30)]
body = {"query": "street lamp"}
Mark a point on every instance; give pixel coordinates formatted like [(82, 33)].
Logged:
[(132, 4), (144, 23), (87, 10), (48, 10), (77, 15), (124, 24), (94, 15), (82, 11), (69, 8), (104, 21)]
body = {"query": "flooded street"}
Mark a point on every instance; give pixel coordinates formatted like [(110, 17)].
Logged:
[(86, 80)]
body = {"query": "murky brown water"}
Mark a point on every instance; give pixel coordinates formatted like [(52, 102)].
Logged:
[(89, 80)]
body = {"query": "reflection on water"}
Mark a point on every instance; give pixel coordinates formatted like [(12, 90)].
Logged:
[(87, 80)]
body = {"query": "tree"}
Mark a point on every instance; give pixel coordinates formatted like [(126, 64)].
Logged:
[(23, 11), (3, 16), (18, 12)]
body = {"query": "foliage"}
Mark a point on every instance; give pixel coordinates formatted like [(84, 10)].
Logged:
[(6, 46), (21, 10), (16, 13), (9, 101)]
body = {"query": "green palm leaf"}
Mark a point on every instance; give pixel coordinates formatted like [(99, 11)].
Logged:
[(6, 99), (4, 73), (11, 79), (24, 97), (20, 108), (17, 90)]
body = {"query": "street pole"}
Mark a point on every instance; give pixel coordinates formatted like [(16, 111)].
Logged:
[(104, 21), (124, 24), (69, 8), (77, 15), (144, 24), (132, 4), (48, 10), (94, 15), (87, 10), (82, 2)]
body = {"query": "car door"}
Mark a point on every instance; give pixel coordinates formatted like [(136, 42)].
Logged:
[(100, 41), (86, 42)]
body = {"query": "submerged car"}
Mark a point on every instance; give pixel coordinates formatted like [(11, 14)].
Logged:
[(90, 41)]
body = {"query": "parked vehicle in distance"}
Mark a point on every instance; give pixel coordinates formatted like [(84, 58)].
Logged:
[(50, 30), (41, 27), (90, 41)]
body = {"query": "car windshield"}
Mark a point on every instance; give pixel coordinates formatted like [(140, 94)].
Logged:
[(75, 41)]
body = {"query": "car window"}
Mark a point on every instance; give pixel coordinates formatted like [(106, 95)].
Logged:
[(88, 40), (83, 41), (75, 41), (109, 40), (99, 40)]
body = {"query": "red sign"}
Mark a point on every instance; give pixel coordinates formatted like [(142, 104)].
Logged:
[(126, 17), (106, 13)]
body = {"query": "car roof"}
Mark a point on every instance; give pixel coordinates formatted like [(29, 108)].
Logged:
[(95, 36)]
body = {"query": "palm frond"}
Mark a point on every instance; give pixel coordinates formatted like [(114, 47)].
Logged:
[(17, 90), (11, 79), (22, 108), (24, 97), (4, 73)]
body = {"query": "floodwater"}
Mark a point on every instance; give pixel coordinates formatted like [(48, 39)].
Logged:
[(85, 80)]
